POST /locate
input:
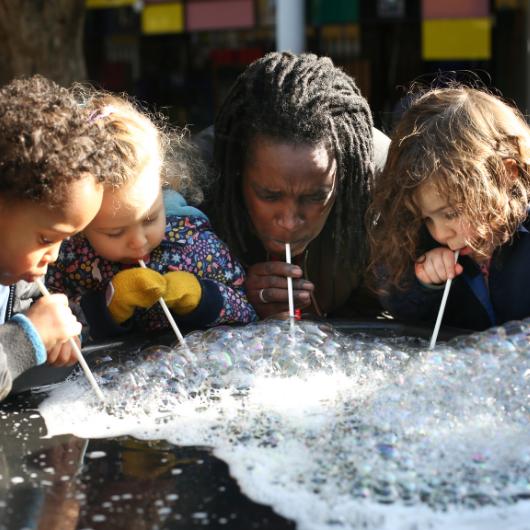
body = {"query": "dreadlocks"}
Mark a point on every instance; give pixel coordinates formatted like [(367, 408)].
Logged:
[(296, 99)]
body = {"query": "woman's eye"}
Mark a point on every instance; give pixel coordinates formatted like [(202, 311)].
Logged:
[(43, 240), (318, 198), (269, 196)]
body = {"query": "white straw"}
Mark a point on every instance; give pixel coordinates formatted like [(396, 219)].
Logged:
[(169, 316), (289, 281), (442, 308), (43, 289)]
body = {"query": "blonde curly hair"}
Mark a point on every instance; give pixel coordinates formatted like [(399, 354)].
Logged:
[(140, 137)]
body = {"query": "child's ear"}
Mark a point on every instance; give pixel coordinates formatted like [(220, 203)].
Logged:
[(512, 169)]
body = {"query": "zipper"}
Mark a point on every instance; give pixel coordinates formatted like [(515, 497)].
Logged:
[(10, 303)]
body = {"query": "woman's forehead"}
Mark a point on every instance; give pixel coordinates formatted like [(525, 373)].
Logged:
[(276, 159)]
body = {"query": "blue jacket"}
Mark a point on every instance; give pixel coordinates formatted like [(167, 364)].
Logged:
[(471, 305)]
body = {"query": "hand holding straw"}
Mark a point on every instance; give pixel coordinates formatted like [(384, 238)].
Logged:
[(44, 291), (442, 308), (170, 318), (289, 281)]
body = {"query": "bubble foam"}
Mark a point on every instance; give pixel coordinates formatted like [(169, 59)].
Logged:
[(334, 431)]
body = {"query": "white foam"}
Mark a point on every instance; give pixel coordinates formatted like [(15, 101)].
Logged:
[(291, 442)]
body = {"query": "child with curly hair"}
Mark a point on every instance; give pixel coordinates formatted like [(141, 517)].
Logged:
[(456, 179), (52, 166), (142, 219)]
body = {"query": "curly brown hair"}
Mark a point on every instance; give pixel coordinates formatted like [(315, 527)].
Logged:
[(458, 140), (140, 137), (47, 142)]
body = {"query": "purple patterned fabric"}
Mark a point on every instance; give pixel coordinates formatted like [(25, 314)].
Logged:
[(189, 245)]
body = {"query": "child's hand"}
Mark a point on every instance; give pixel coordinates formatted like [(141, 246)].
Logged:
[(183, 291), (53, 320), (437, 266), (133, 288), (63, 354)]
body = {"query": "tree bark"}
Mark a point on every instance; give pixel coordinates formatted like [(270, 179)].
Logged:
[(44, 37)]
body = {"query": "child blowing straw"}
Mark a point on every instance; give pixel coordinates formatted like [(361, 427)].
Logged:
[(52, 164), (188, 266), (456, 179)]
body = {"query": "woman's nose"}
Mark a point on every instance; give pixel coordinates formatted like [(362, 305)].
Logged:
[(289, 219)]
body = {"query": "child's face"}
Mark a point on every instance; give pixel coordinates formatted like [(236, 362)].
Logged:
[(444, 222), (131, 222), (31, 233)]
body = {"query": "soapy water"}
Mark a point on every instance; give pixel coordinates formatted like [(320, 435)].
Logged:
[(333, 430)]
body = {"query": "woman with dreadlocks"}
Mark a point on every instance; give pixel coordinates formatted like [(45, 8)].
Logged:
[(294, 163)]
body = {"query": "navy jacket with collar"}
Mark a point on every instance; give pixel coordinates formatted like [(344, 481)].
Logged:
[(470, 304)]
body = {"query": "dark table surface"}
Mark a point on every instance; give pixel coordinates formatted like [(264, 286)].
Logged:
[(65, 483)]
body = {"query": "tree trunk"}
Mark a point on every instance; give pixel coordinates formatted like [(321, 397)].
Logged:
[(44, 37)]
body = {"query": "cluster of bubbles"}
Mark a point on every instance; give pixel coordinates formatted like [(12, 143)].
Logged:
[(444, 427), (218, 358)]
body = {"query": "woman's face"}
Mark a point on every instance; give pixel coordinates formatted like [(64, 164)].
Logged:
[(289, 190)]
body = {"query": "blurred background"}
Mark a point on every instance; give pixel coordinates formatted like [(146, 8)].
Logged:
[(180, 57)]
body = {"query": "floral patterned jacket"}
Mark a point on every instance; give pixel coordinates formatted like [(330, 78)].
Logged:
[(189, 245)]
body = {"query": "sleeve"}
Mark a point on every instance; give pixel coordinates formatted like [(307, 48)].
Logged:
[(381, 145), (62, 275), (83, 276), (197, 249), (20, 348), (414, 303), (98, 318)]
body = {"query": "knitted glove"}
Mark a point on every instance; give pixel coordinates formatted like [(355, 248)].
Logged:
[(133, 288), (183, 292)]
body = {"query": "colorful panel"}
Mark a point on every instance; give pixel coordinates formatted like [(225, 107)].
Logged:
[(334, 12), (163, 18), (97, 4), (212, 14), (510, 4), (455, 8), (454, 39)]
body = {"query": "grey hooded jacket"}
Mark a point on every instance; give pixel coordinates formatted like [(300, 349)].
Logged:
[(20, 345)]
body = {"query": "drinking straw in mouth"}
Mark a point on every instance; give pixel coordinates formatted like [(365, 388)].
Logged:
[(44, 291), (169, 316), (289, 281), (442, 308)]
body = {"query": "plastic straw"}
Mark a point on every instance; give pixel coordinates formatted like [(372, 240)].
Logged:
[(289, 281), (442, 308), (43, 289), (169, 316)]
